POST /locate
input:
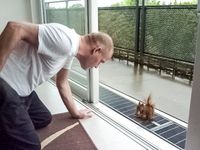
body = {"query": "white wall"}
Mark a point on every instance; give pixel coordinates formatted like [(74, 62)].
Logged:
[(36, 11), (19, 10)]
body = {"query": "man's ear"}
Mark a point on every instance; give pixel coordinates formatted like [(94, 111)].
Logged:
[(97, 50)]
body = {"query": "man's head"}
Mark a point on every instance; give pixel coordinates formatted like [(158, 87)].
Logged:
[(94, 48)]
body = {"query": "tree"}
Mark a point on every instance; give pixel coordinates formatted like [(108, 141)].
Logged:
[(154, 2), (129, 2), (125, 3)]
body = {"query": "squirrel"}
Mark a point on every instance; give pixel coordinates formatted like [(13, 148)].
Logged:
[(145, 110)]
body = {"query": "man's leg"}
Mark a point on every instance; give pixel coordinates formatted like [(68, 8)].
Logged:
[(17, 130), (38, 112)]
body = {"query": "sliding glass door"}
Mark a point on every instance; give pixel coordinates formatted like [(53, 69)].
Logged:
[(72, 13)]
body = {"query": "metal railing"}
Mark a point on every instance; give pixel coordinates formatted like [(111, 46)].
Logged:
[(171, 66)]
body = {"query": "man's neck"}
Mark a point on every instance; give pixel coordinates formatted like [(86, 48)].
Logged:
[(83, 47)]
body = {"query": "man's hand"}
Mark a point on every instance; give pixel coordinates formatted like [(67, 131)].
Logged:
[(66, 95), (83, 113)]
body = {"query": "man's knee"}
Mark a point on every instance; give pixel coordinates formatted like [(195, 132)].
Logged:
[(36, 147), (29, 142), (48, 119), (44, 122)]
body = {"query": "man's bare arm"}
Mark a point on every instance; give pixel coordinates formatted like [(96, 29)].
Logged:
[(12, 34), (66, 95)]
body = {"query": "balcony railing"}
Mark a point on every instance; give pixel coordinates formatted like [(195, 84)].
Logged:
[(173, 67)]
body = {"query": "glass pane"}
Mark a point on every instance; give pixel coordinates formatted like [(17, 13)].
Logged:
[(160, 64), (153, 55), (71, 13)]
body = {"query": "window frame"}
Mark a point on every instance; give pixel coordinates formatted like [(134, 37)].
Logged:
[(193, 133)]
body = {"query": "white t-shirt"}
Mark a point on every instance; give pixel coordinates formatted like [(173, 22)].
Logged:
[(28, 67)]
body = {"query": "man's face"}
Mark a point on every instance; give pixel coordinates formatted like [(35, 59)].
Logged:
[(95, 59)]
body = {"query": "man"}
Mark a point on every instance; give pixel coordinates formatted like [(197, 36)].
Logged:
[(31, 54)]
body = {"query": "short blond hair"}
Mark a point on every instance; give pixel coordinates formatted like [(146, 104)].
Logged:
[(101, 39)]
